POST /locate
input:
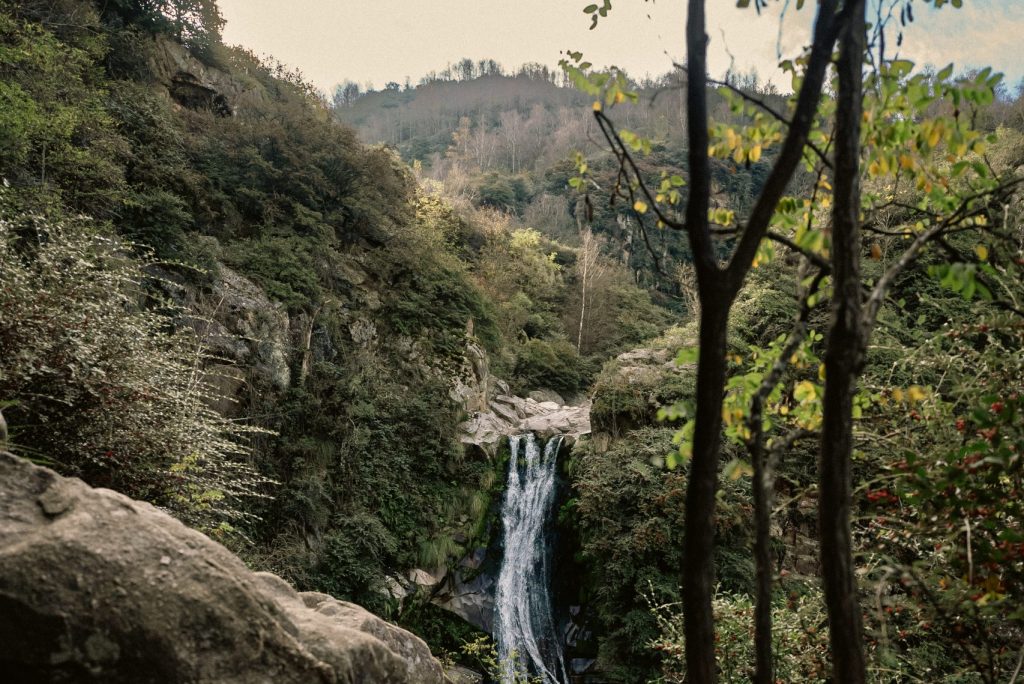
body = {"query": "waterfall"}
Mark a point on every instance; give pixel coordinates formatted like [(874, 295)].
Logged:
[(524, 619)]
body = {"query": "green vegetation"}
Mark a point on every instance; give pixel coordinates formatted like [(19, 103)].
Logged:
[(350, 468), (102, 388), (216, 298)]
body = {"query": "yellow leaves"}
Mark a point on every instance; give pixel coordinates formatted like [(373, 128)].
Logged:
[(731, 139), (731, 415), (805, 391), (906, 162), (755, 153), (821, 372), (915, 394), (982, 252), (737, 468), (619, 97), (722, 217), (935, 134), (640, 207)]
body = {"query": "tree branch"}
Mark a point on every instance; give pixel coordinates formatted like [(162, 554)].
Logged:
[(826, 30)]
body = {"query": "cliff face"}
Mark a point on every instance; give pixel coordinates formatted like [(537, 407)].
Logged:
[(97, 587)]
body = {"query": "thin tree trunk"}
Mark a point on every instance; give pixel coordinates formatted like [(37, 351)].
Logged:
[(698, 544), (843, 360), (764, 667), (584, 254), (307, 345)]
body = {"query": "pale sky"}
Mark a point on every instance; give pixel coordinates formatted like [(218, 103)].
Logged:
[(376, 41)]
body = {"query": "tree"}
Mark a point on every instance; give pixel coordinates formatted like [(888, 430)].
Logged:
[(718, 285), (898, 143), (196, 23), (345, 94), (844, 359), (588, 269)]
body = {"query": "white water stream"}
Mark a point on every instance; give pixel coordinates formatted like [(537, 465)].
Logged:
[(524, 620)]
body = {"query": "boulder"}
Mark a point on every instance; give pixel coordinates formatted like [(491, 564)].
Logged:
[(457, 674), (509, 415), (96, 587), (543, 395), (239, 325)]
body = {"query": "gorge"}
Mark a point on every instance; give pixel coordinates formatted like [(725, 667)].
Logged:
[(387, 388)]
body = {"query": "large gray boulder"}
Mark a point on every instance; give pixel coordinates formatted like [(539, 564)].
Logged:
[(97, 587)]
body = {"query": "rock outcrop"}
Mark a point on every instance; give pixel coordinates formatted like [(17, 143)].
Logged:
[(194, 85), (95, 586), (632, 388), (509, 415)]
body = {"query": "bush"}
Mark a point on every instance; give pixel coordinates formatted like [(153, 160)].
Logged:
[(104, 389), (628, 513), (551, 364)]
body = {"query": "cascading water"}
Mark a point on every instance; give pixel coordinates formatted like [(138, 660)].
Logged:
[(524, 620)]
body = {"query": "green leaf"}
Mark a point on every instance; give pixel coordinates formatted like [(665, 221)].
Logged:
[(687, 355)]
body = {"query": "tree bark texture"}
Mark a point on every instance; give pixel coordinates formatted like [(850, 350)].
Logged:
[(843, 360), (698, 544)]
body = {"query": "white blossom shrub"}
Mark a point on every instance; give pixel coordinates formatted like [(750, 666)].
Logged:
[(101, 383)]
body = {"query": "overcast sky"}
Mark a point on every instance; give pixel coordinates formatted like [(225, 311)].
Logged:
[(376, 41)]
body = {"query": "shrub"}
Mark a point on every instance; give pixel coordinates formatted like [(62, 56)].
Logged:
[(104, 389)]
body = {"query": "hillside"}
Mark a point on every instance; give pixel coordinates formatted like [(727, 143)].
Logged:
[(442, 350), (313, 320)]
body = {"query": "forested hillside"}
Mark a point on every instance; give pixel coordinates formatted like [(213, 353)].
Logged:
[(506, 140), (277, 316), (299, 282)]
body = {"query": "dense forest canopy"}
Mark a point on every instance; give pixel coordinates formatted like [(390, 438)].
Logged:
[(796, 319)]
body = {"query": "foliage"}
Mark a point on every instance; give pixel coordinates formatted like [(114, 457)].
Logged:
[(195, 23), (799, 634), (106, 390), (484, 655), (550, 364), (627, 510), (56, 139)]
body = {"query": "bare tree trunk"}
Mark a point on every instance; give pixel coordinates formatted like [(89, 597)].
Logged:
[(844, 358), (590, 269), (698, 543), (585, 256), (307, 345), (764, 667)]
